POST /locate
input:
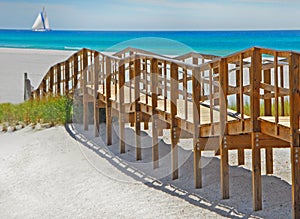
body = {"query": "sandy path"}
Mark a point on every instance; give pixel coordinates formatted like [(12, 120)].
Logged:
[(44, 174)]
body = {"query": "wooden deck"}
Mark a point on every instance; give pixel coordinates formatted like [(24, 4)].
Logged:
[(191, 95)]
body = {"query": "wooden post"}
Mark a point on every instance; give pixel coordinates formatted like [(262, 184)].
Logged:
[(224, 169), (154, 84), (121, 107), (75, 74), (51, 81), (108, 101), (294, 67), (58, 75), (84, 88), (255, 78), (95, 94), (174, 126), (137, 113), (268, 112), (131, 76), (239, 73), (67, 77), (196, 95), (27, 87), (44, 87)]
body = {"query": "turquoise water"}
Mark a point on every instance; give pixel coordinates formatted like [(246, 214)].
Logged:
[(166, 42)]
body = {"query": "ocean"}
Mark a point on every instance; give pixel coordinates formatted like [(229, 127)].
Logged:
[(163, 42)]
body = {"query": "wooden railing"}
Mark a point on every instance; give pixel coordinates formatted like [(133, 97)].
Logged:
[(139, 85)]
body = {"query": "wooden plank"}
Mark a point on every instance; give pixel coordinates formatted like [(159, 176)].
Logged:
[(58, 81), (67, 77), (131, 80), (84, 82), (268, 112), (121, 108), (153, 76), (282, 113), (269, 160), (174, 126), (241, 97), (276, 92), (267, 103), (137, 113), (255, 79), (51, 80), (75, 69), (240, 103), (146, 125), (241, 157), (294, 63), (108, 101), (256, 172), (196, 86), (165, 86), (224, 169), (95, 95)]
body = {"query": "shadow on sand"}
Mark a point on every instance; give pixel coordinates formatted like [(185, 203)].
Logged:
[(276, 192)]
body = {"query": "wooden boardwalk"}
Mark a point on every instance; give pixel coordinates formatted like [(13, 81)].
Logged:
[(191, 95)]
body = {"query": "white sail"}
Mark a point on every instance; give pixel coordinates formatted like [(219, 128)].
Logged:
[(47, 26), (41, 23), (38, 24)]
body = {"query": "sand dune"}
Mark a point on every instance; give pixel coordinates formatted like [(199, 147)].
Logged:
[(15, 62)]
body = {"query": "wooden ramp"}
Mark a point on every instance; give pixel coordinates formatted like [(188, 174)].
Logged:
[(247, 100)]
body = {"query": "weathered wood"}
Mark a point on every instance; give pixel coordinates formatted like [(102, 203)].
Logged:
[(84, 83), (196, 86), (95, 95), (294, 67), (75, 71), (58, 79), (224, 169), (121, 108), (241, 157), (255, 78), (276, 92), (153, 76), (146, 125), (268, 112), (174, 125), (51, 81), (282, 110), (137, 118), (108, 101), (256, 172), (67, 77)]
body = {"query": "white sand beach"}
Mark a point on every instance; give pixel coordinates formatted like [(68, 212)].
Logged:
[(48, 174), (15, 62)]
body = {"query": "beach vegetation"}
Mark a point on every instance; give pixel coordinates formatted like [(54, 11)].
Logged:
[(286, 109)]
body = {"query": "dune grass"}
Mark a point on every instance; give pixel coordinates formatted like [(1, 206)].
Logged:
[(262, 110), (53, 110)]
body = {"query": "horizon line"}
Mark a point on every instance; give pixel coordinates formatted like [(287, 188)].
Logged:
[(162, 30)]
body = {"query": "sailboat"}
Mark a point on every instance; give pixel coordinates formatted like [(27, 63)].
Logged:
[(41, 22)]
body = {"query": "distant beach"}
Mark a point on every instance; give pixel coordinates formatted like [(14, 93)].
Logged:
[(15, 62)]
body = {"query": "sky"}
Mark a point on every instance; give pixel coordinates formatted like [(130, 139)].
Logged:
[(154, 14)]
